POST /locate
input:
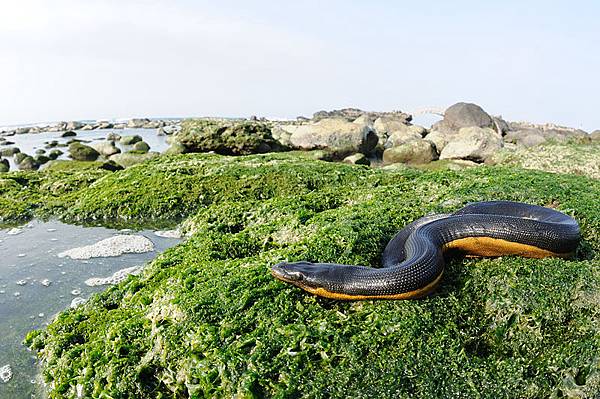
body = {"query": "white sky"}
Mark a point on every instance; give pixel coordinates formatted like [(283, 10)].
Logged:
[(91, 59)]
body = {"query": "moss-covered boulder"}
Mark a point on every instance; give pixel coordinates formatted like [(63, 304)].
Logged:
[(4, 166), (141, 146), (55, 153), (130, 140), (226, 138), (415, 151), (206, 319), (20, 156), (28, 163), (82, 152), (9, 151)]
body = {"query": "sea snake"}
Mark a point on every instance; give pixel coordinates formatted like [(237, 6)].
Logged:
[(413, 261)]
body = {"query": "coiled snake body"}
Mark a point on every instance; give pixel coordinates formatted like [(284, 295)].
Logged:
[(413, 261)]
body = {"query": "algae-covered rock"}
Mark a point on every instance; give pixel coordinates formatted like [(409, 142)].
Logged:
[(82, 152), (41, 159), (141, 146), (175, 149), (226, 138), (53, 154), (206, 319), (20, 156), (4, 165), (130, 140), (131, 158), (9, 151), (28, 163)]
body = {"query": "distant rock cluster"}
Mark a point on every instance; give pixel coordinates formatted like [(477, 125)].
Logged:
[(135, 123)]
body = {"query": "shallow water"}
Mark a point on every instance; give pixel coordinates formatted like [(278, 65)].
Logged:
[(29, 258), (29, 143)]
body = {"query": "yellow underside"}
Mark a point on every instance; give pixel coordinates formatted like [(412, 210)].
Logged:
[(486, 246), (418, 293), (471, 246)]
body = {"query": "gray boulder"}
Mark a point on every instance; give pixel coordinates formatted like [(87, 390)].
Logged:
[(405, 134), (418, 151), (595, 135), (130, 140), (112, 136), (472, 143), (336, 135), (439, 138), (175, 148), (526, 137), (462, 115), (137, 123), (106, 148), (82, 152), (74, 125)]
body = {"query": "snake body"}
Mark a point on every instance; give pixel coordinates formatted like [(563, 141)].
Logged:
[(413, 261)]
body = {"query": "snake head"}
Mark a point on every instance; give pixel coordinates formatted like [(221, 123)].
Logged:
[(297, 273)]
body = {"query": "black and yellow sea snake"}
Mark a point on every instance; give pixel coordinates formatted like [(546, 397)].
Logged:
[(413, 261)]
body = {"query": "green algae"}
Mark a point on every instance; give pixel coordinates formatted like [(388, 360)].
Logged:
[(205, 319)]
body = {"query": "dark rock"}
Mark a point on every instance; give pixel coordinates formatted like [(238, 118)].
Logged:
[(69, 133), (462, 115), (4, 166), (20, 156), (40, 151), (41, 159), (54, 154), (111, 166)]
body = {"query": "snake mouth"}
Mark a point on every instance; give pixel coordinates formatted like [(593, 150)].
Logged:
[(283, 272)]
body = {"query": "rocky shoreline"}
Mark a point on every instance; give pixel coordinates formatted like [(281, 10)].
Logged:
[(466, 136)]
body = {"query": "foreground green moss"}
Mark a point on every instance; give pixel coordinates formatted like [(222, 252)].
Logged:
[(205, 319)]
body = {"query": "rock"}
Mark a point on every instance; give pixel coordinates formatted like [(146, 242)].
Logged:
[(472, 143), (137, 123), (9, 151), (4, 166), (112, 246), (462, 115), (41, 159), (168, 233), (526, 137), (54, 154), (82, 152), (106, 148), (88, 127), (74, 125), (119, 126), (22, 130), (130, 140), (153, 125), (439, 138), (111, 166), (357, 159), (112, 136), (160, 131), (51, 144), (500, 125), (364, 120), (40, 151), (595, 135), (19, 157), (175, 148), (406, 134), (129, 159), (141, 146), (416, 151), (105, 125), (335, 135), (351, 114), (28, 163), (227, 138), (76, 302), (69, 133)]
